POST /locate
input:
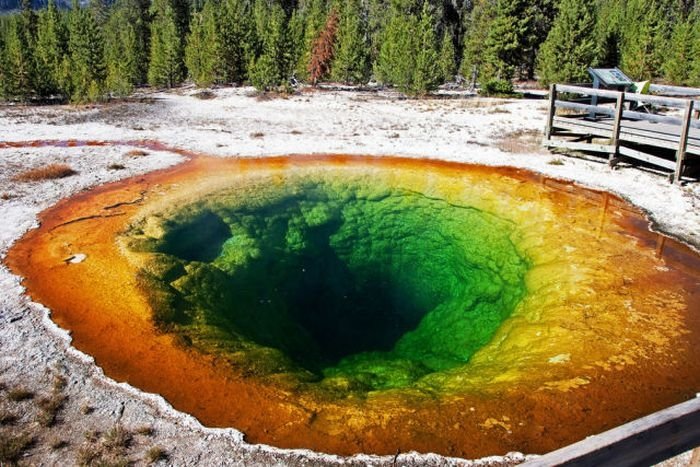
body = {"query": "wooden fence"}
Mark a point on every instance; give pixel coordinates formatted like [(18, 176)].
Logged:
[(628, 128)]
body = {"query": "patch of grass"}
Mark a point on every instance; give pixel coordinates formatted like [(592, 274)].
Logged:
[(117, 439), (58, 443), (155, 454), (19, 394), (12, 446), (204, 95), (498, 110), (145, 430), (568, 112), (116, 167), (115, 462), (94, 456), (87, 455), (269, 95), (480, 103), (7, 417), (521, 142), (394, 136), (49, 409), (86, 409), (119, 462), (295, 132), (59, 383), (257, 135), (556, 161), (91, 435), (137, 153), (48, 172)]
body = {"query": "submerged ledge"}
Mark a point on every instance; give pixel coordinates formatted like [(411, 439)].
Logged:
[(606, 323)]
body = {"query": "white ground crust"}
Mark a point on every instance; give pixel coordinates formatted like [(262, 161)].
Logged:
[(235, 123)]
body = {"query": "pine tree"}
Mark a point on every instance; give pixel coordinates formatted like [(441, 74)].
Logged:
[(427, 73), (502, 47), (100, 11), (409, 57), (182, 9), (28, 22), (476, 31), (203, 54), (295, 43), (141, 21), (502, 37), (167, 57), (267, 70), (608, 31), (19, 49), (314, 14), (542, 14), (570, 47), (377, 20), (264, 73), (124, 50), (86, 55), (49, 50), (396, 61), (679, 53), (136, 14), (3, 66), (196, 6), (323, 50), (19, 63), (447, 60), (694, 65), (350, 64), (236, 38), (642, 34), (260, 19)]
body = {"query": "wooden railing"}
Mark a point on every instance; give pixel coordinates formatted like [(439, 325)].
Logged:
[(688, 104), (619, 112), (645, 441)]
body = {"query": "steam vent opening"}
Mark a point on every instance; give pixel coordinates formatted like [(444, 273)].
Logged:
[(379, 289)]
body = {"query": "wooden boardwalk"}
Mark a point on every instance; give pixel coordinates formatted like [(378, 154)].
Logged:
[(622, 128), (645, 441)]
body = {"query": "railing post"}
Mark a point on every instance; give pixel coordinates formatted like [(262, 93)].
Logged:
[(594, 98), (552, 110), (615, 140), (683, 142)]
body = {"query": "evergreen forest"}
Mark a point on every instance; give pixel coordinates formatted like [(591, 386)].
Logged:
[(105, 49)]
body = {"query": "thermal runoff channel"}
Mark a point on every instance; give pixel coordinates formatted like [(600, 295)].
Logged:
[(355, 304), (333, 278)]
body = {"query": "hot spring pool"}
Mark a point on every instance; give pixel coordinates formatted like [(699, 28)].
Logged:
[(358, 304)]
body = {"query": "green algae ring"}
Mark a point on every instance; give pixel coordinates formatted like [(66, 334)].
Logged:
[(350, 282)]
